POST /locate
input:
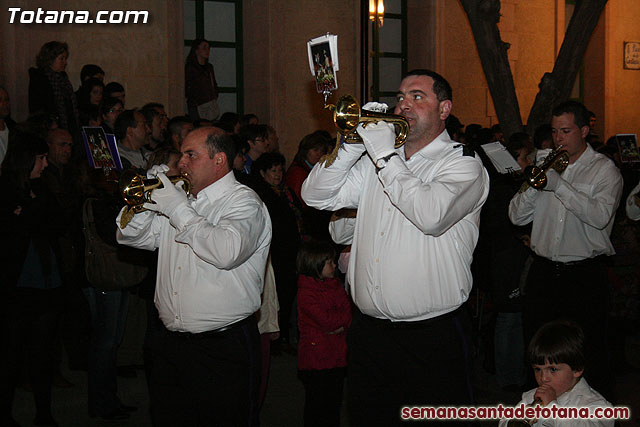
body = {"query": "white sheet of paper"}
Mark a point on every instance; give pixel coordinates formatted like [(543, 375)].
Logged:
[(500, 157)]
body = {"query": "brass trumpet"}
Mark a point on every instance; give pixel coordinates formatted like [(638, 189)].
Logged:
[(136, 190), (536, 176), (347, 114)]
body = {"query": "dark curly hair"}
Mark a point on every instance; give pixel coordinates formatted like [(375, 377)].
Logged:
[(265, 162)]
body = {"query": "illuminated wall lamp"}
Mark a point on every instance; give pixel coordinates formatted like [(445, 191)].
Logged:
[(376, 10)]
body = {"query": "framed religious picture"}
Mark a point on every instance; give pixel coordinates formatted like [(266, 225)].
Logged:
[(628, 146), (632, 55), (323, 61), (101, 148)]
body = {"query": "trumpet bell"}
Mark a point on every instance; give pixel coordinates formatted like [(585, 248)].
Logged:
[(136, 190), (132, 188), (536, 176), (347, 114)]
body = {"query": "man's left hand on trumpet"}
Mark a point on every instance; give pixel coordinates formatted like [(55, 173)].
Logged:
[(379, 139)]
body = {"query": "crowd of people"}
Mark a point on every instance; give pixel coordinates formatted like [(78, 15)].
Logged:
[(232, 257)]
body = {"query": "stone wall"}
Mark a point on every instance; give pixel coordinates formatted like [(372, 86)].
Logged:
[(621, 86), (279, 86), (145, 58)]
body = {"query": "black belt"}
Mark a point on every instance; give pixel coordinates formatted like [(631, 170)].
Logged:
[(213, 332), (413, 325), (571, 264)]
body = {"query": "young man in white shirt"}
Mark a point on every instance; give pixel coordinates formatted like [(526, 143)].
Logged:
[(572, 220)]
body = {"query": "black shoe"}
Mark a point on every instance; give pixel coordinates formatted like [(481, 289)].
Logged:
[(128, 409), (115, 415)]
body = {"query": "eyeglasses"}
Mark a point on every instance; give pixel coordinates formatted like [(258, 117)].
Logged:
[(116, 110)]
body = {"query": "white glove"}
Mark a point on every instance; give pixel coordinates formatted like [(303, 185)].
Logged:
[(553, 180), (379, 139), (155, 169), (378, 107), (168, 198)]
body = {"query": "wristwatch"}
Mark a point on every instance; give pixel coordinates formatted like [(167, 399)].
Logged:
[(381, 163)]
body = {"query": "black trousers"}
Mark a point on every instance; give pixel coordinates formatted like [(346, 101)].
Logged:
[(322, 396), (407, 363), (207, 379), (578, 292)]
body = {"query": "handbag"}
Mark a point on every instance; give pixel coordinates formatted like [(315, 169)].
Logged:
[(209, 110), (105, 266)]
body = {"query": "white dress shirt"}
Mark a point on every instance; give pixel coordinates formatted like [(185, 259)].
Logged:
[(633, 210), (573, 222), (580, 396), (211, 262), (416, 228), (341, 230)]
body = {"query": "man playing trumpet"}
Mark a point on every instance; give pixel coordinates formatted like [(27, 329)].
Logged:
[(409, 270), (212, 255), (572, 221)]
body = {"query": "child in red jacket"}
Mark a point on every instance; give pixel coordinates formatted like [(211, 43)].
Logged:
[(324, 314)]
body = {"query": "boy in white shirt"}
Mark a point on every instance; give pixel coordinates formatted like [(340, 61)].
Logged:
[(556, 353)]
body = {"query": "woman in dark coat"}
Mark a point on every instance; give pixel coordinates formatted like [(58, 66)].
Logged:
[(50, 90), (30, 279), (267, 173), (200, 80)]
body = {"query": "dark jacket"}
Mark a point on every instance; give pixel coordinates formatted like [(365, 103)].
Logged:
[(25, 221), (323, 307), (500, 254), (284, 225), (42, 100), (200, 83)]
